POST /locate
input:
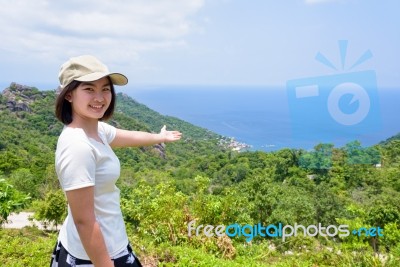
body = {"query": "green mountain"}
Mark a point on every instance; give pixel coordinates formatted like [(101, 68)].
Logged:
[(390, 139), (26, 102)]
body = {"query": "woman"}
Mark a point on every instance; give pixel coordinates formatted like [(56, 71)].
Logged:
[(93, 232)]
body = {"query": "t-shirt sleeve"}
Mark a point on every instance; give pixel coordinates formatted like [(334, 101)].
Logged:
[(108, 131), (76, 165)]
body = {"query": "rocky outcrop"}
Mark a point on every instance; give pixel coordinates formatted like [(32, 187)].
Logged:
[(157, 149), (17, 106), (18, 97), (160, 149)]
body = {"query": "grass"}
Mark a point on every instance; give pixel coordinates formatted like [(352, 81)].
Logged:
[(26, 247)]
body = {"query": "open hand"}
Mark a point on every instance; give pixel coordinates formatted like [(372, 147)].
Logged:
[(170, 136)]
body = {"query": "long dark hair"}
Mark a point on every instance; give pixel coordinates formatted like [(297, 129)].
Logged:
[(64, 109)]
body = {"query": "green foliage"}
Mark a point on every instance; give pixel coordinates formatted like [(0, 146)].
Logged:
[(272, 203), (391, 237), (319, 160), (354, 242), (145, 209), (328, 205), (10, 200), (293, 206), (51, 210), (26, 247), (391, 153), (358, 155), (228, 207), (23, 180)]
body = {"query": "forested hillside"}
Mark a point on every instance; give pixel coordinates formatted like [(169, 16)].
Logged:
[(170, 193)]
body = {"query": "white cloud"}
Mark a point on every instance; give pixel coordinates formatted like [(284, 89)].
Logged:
[(115, 30)]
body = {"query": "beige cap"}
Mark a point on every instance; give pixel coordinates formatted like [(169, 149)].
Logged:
[(87, 68)]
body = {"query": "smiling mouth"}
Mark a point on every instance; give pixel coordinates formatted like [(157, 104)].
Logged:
[(96, 106)]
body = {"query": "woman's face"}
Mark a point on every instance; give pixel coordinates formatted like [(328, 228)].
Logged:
[(90, 100)]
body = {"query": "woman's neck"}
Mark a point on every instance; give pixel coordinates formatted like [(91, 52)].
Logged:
[(89, 126)]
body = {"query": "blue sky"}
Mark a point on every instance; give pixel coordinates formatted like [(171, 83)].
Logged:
[(200, 42)]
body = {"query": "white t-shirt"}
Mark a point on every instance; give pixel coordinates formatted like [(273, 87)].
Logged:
[(81, 162)]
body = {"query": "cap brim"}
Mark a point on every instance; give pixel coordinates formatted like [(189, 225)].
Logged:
[(116, 78)]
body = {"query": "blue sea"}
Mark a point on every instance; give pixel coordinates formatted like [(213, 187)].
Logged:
[(267, 119)]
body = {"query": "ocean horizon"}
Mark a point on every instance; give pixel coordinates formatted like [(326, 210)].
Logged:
[(263, 117)]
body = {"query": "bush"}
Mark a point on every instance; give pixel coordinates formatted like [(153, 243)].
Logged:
[(53, 209), (10, 200)]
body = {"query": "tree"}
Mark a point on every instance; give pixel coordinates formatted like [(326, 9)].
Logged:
[(391, 153), (356, 154), (157, 211), (10, 200), (24, 181), (9, 161), (291, 205), (284, 160), (225, 208), (52, 209), (319, 161), (328, 205)]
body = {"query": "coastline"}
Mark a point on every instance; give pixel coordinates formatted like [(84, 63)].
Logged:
[(234, 145)]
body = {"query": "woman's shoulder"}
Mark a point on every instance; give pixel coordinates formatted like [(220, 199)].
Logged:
[(70, 136), (105, 127), (107, 130)]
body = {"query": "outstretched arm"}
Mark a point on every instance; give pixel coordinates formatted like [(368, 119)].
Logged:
[(125, 138)]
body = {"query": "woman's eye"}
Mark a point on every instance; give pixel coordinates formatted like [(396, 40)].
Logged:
[(106, 89)]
